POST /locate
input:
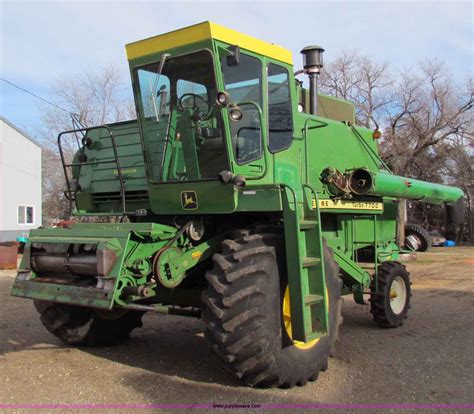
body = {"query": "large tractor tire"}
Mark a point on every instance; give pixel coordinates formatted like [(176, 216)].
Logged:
[(390, 299), (417, 238), (76, 325), (247, 315)]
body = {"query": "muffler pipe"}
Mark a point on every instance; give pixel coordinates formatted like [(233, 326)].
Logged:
[(312, 64)]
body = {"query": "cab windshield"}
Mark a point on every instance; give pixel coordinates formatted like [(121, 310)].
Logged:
[(182, 127)]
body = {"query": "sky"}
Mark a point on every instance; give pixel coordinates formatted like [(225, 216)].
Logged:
[(44, 41)]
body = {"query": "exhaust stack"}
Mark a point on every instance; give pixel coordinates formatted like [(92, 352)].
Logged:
[(312, 64)]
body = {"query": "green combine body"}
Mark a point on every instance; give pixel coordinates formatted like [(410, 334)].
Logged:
[(244, 207)]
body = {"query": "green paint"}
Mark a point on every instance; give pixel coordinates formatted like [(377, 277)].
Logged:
[(174, 262), (395, 186)]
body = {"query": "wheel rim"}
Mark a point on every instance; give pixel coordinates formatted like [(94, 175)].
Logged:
[(398, 295), (413, 241), (286, 312)]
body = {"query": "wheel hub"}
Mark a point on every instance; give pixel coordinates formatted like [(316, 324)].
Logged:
[(398, 295), (413, 242)]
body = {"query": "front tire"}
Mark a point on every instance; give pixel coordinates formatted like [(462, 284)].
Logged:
[(76, 325), (245, 315), (390, 300)]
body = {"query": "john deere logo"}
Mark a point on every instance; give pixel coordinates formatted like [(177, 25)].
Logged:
[(189, 200)]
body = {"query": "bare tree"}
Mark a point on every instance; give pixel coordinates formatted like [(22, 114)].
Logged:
[(96, 98), (364, 82), (429, 109), (55, 204), (340, 77)]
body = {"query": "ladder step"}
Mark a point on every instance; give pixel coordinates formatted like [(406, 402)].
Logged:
[(311, 261), (313, 299), (308, 224)]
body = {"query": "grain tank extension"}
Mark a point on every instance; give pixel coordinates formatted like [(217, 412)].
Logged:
[(241, 198)]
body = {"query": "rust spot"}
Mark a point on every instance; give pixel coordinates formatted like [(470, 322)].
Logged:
[(65, 224), (8, 255)]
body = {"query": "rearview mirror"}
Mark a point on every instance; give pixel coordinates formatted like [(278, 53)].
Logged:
[(234, 58)]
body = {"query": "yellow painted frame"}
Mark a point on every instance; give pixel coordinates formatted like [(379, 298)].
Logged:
[(348, 205), (206, 31)]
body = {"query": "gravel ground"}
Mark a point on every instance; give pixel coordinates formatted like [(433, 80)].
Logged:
[(427, 361)]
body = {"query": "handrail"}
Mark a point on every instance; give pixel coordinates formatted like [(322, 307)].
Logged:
[(308, 120), (370, 149), (115, 160), (316, 198), (262, 141), (295, 199)]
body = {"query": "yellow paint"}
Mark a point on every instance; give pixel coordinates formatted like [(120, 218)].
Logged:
[(206, 31), (196, 255), (286, 311), (348, 205), (189, 200)]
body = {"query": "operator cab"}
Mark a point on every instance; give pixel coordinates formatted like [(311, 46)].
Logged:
[(188, 134)]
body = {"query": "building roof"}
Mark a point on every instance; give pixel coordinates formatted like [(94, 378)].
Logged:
[(205, 31), (19, 130)]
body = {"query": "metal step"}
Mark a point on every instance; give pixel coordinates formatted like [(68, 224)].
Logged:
[(308, 224), (311, 261), (313, 299)]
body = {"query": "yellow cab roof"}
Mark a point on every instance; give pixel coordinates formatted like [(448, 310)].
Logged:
[(205, 31)]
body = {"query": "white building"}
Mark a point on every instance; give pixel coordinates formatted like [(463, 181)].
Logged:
[(20, 182)]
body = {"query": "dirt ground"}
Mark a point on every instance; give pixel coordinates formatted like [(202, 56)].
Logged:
[(430, 360)]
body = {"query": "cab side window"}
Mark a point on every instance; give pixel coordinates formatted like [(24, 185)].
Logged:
[(280, 120), (243, 83)]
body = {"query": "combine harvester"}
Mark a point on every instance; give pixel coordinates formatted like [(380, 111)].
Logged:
[(252, 203)]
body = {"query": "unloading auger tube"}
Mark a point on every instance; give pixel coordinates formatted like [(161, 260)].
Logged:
[(364, 182)]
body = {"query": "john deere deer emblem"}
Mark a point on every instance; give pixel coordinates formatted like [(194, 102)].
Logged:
[(189, 200)]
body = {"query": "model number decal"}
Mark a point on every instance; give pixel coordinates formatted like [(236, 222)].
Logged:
[(349, 205)]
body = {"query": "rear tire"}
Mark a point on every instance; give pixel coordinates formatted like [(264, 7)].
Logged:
[(244, 318), (391, 300), (76, 325), (421, 236)]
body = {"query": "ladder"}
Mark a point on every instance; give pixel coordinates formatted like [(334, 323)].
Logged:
[(305, 264)]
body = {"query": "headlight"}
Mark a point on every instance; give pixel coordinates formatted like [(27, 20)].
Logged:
[(223, 98), (236, 114)]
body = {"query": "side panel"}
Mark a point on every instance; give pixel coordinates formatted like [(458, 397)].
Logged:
[(349, 232), (213, 198)]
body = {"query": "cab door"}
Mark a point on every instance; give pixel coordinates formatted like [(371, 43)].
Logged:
[(242, 79)]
